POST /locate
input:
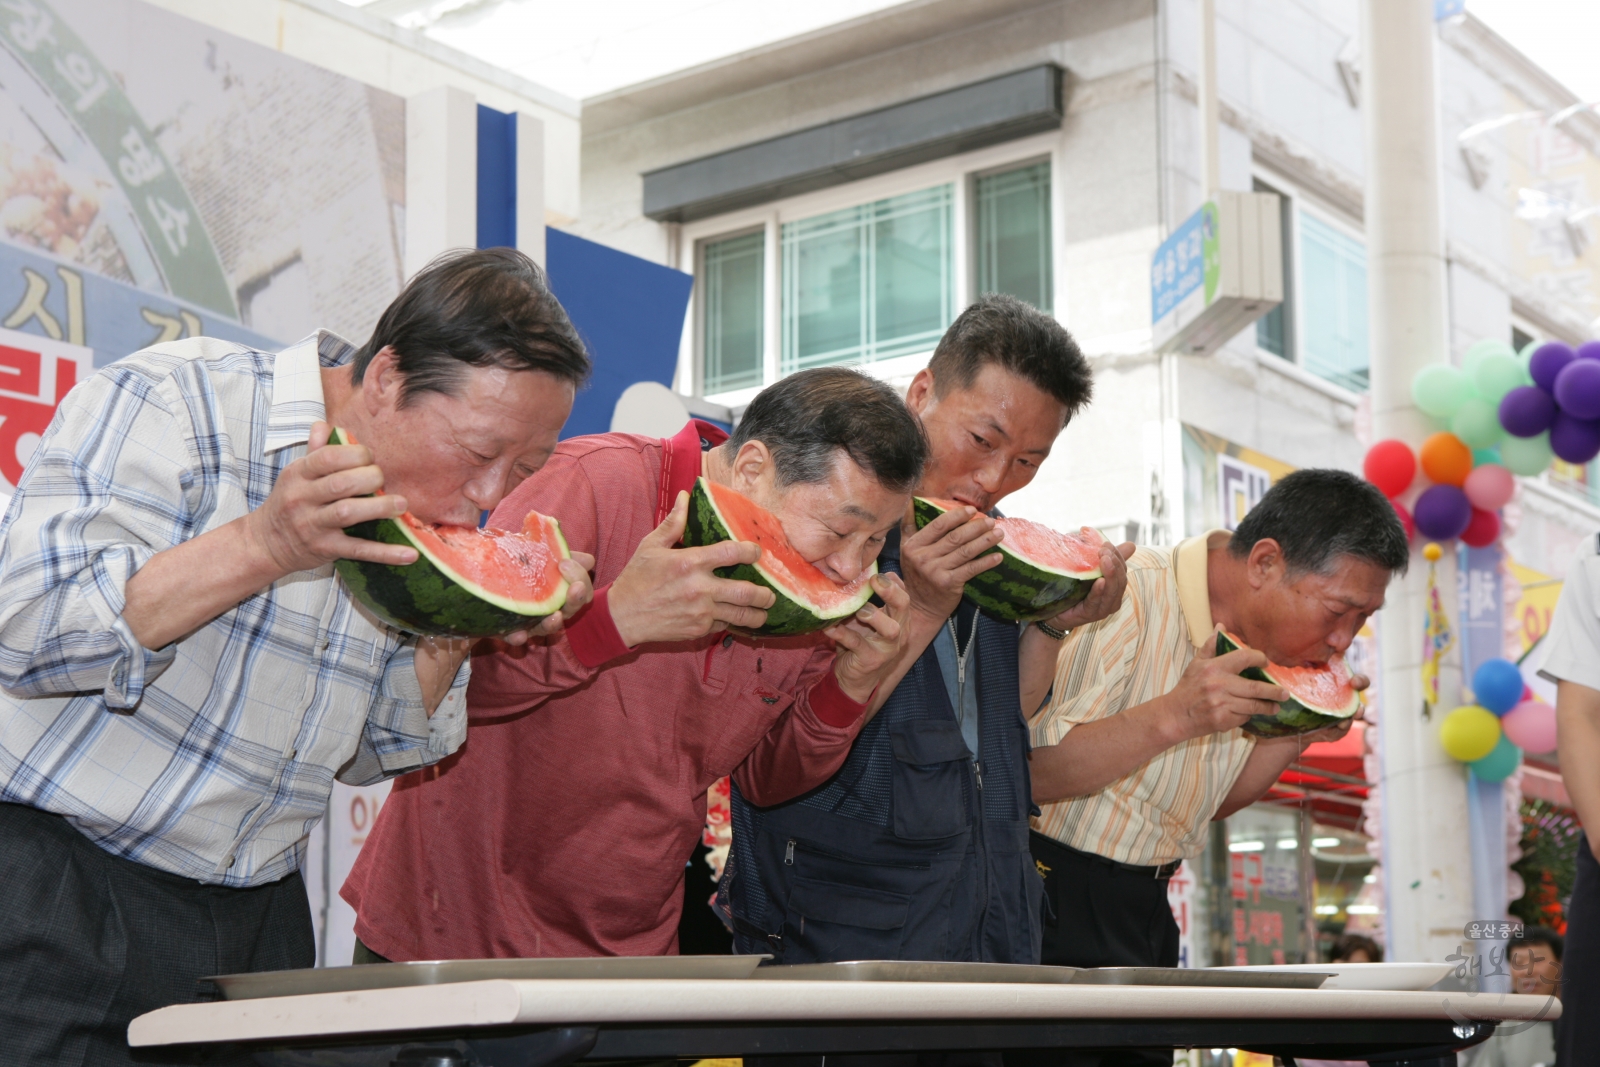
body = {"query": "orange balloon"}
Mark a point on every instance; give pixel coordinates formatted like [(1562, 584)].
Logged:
[(1445, 460)]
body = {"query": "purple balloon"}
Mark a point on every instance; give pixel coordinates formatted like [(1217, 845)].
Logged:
[(1589, 350), (1575, 440), (1547, 361), (1577, 389), (1442, 512), (1527, 411)]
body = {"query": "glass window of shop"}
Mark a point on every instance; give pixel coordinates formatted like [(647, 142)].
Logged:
[(732, 272), (1011, 232), (869, 282), (1333, 303)]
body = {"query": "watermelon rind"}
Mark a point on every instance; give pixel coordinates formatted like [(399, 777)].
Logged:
[(791, 614), (1019, 589), (427, 597), (1293, 716)]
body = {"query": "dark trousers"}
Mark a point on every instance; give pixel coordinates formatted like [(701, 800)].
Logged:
[(1097, 915), (88, 941), (1578, 1029)]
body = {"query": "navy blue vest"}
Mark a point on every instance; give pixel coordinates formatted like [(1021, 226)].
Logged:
[(915, 849)]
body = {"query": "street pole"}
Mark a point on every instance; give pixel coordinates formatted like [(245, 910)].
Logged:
[(1427, 870), (1206, 92)]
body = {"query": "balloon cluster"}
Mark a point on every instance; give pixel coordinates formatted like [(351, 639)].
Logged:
[(1499, 414), (1491, 735)]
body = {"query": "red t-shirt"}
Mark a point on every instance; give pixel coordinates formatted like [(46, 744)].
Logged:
[(562, 826)]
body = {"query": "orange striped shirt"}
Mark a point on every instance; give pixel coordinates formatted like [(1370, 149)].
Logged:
[(1160, 811)]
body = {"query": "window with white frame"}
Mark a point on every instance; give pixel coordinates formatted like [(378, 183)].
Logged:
[(869, 282), (1322, 322)]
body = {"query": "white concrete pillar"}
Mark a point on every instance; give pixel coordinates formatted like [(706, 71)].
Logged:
[(441, 174), (530, 187), (1427, 844)]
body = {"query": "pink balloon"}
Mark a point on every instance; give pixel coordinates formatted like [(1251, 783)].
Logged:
[(1489, 487), (1531, 726)]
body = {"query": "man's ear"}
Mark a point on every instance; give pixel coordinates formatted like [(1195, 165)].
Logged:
[(750, 464), (382, 384), (1265, 565), (920, 393)]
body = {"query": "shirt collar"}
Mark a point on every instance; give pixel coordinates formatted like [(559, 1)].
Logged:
[(297, 400), (681, 461), (1194, 591)]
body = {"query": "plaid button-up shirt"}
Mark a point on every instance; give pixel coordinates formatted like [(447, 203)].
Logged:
[(213, 757)]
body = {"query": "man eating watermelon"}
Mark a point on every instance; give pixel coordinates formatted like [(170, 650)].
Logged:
[(184, 677), (1150, 734), (563, 826), (917, 848)]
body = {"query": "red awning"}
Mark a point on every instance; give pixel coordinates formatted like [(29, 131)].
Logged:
[(1330, 775)]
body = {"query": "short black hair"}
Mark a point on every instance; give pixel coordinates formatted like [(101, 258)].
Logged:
[(1009, 333), (1539, 935), (488, 307), (808, 416), (1319, 515), (1347, 945)]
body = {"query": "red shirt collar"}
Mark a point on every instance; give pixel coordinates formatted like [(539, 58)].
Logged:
[(681, 461)]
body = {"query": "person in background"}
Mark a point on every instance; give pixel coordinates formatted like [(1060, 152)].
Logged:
[(1141, 746), (1355, 948), (183, 675), (1573, 663), (1535, 964), (563, 826), (917, 848)]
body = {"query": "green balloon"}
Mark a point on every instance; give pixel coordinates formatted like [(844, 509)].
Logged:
[(1526, 354), (1496, 375), (1499, 763), (1481, 350), (1481, 456), (1477, 423), (1439, 390), (1526, 456)]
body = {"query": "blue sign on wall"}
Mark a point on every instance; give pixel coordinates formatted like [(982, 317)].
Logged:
[(630, 313)]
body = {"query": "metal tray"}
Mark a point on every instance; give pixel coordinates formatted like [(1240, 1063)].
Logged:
[(1200, 976), (913, 971), (392, 975)]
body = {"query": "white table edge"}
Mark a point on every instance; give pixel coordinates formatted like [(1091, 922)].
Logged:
[(504, 1002)]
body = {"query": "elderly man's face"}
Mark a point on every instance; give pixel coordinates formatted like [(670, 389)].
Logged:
[(453, 456), (1302, 620), (1534, 968), (838, 524)]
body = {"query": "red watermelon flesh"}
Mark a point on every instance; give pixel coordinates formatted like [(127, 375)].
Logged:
[(497, 563), (748, 521), (1318, 696), (1069, 553)]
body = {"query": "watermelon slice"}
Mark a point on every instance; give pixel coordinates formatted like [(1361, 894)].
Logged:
[(466, 582), (1043, 573), (807, 599), (1318, 696)]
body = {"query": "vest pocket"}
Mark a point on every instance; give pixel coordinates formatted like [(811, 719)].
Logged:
[(830, 922), (929, 784)]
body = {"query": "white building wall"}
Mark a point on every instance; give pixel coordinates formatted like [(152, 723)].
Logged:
[(342, 39)]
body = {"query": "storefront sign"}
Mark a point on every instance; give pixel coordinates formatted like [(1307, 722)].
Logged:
[(59, 323), (1218, 272)]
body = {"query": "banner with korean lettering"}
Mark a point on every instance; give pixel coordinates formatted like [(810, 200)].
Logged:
[(159, 179)]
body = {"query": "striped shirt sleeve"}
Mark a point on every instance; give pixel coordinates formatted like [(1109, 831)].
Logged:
[(1094, 670), (109, 487)]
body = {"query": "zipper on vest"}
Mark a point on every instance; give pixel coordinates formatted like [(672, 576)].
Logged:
[(788, 853), (977, 768)]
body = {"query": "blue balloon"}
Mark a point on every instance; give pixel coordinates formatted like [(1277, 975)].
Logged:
[(1499, 764), (1497, 685)]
